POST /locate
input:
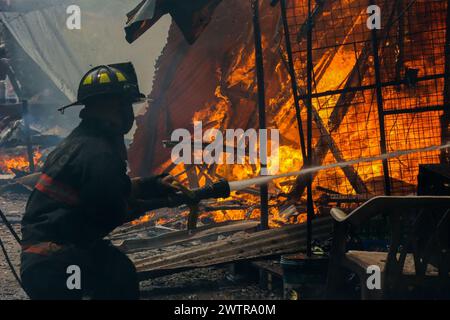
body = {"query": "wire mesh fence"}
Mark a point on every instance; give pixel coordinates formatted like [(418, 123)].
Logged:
[(349, 119)]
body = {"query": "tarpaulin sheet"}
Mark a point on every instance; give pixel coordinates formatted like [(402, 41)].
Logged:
[(37, 34), (65, 55), (29, 5)]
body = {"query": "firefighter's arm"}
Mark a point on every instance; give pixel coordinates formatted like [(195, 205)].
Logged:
[(139, 207), (220, 189), (105, 189), (148, 194), (172, 195), (153, 187)]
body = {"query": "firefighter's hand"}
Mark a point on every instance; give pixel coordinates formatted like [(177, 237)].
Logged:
[(178, 199), (170, 184), (154, 187)]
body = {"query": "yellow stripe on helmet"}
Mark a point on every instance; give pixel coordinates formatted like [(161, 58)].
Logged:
[(88, 80), (121, 77), (104, 78)]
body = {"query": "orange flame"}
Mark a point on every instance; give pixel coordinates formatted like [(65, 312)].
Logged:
[(358, 134), (21, 163)]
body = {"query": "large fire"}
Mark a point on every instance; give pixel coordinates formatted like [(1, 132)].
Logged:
[(342, 57)]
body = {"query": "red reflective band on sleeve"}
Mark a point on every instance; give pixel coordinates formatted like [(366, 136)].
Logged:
[(43, 248), (57, 190)]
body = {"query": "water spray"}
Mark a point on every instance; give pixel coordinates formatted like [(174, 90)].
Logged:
[(222, 188), (242, 184)]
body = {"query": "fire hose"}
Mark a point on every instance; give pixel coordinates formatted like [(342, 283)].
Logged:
[(5, 252)]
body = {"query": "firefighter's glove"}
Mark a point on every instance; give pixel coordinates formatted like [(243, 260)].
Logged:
[(159, 186), (178, 199)]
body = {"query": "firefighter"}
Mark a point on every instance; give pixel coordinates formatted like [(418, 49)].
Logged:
[(84, 193)]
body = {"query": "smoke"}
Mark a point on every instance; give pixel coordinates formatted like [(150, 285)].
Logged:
[(102, 39)]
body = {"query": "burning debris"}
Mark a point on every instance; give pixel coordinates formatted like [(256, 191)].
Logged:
[(347, 120), (18, 163), (14, 150)]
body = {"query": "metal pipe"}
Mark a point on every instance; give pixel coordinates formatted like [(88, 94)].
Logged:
[(309, 67), (445, 119), (261, 109), (293, 77), (379, 94), (401, 42)]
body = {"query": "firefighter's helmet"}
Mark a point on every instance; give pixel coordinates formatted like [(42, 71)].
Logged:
[(117, 79)]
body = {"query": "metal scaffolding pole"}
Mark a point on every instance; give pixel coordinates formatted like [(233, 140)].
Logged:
[(445, 119), (379, 94), (400, 64), (309, 67), (293, 78), (261, 109)]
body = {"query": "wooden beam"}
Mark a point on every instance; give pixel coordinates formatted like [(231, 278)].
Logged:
[(191, 172), (238, 248), (184, 237)]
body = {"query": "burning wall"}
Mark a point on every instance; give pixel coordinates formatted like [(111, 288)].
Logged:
[(214, 81), (215, 77)]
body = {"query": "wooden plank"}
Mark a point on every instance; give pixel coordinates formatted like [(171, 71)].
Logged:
[(203, 172), (239, 248), (238, 244), (183, 237), (249, 252), (191, 172), (131, 231)]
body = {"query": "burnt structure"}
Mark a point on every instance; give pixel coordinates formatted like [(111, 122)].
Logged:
[(369, 91)]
